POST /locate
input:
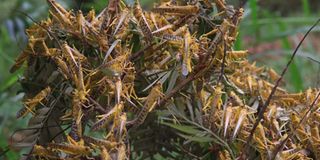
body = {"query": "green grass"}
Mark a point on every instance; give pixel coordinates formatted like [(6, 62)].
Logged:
[(254, 17), (264, 26), (294, 69), (306, 7)]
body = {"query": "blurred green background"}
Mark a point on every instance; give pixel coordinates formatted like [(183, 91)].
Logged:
[(270, 30)]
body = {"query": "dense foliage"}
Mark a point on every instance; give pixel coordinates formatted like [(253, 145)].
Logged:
[(166, 83)]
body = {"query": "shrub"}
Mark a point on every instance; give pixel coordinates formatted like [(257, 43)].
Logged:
[(166, 83)]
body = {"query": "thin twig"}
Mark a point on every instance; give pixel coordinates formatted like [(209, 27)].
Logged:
[(218, 139), (266, 104), (281, 145), (140, 52), (3, 153), (194, 75), (43, 27), (45, 120), (98, 106), (223, 62)]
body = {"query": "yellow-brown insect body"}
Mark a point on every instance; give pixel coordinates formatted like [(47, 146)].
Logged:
[(186, 64), (160, 31), (118, 86), (154, 95), (314, 130), (150, 103), (105, 154), (63, 67), (80, 93), (31, 103), (81, 27), (118, 130), (104, 19), (224, 155), (261, 141), (122, 155), (235, 99), (240, 119), (143, 23), (118, 64), (228, 114), (33, 48), (100, 142), (76, 129), (59, 13), (316, 146), (79, 98), (189, 9), (66, 49), (238, 54), (300, 130), (123, 120), (41, 151), (99, 71), (70, 148), (19, 61), (105, 118), (273, 74), (122, 25)]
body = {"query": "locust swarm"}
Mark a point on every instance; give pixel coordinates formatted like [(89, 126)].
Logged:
[(166, 83)]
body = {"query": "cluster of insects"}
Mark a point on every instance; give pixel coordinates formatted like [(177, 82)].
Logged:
[(91, 79)]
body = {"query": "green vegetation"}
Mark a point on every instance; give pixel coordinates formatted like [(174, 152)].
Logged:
[(273, 37)]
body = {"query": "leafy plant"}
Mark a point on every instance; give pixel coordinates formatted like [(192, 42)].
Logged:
[(166, 83)]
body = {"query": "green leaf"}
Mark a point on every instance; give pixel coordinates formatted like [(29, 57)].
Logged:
[(165, 77), (254, 16), (10, 81), (161, 79), (183, 128), (179, 107), (172, 81), (238, 44), (202, 139), (306, 7), (294, 71), (109, 72)]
